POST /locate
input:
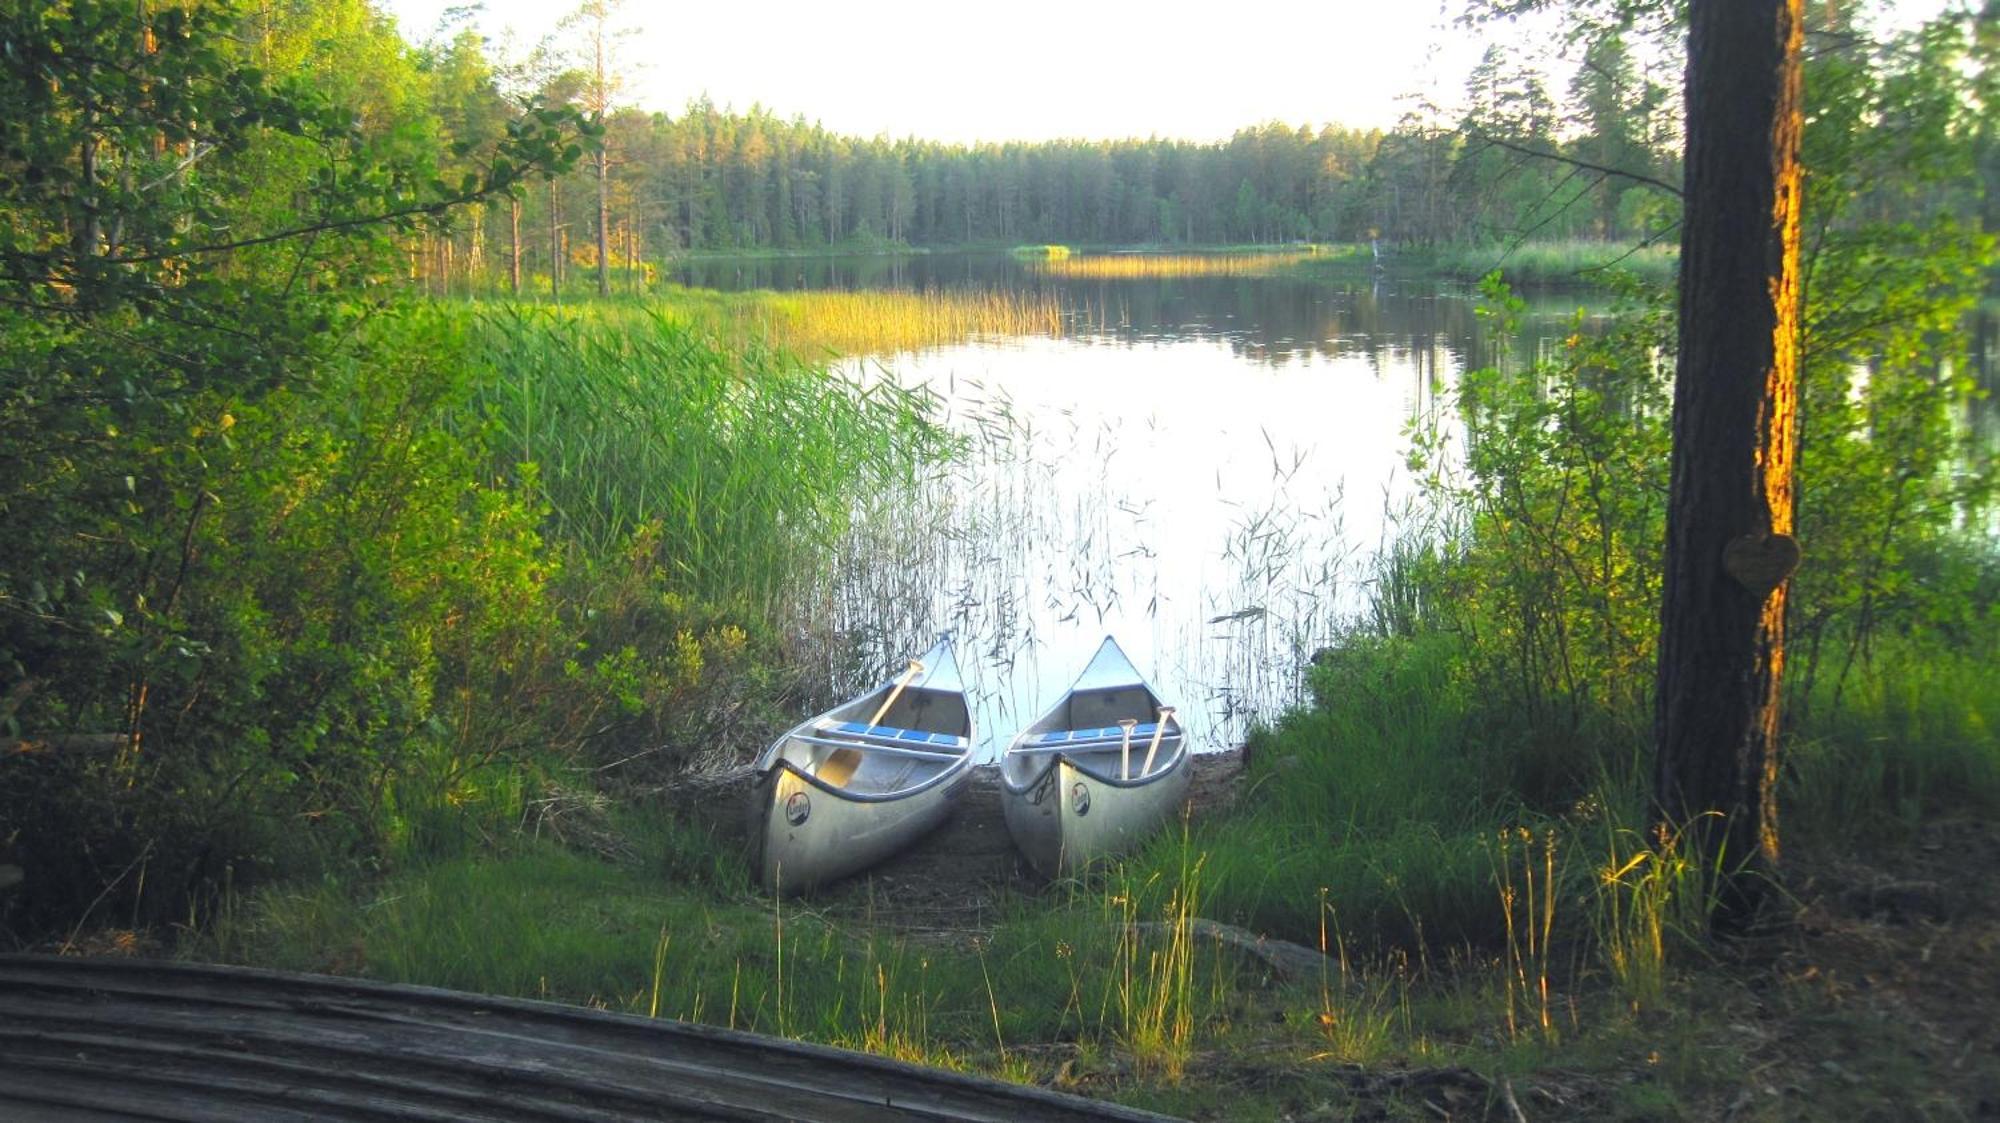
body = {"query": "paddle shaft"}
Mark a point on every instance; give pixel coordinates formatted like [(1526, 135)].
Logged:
[(1159, 731), (909, 676), (1125, 748)]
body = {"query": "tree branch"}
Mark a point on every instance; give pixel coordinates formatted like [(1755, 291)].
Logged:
[(432, 208), (1557, 157)]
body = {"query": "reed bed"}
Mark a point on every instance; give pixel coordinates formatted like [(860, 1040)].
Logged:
[(870, 322), (1141, 266), (731, 466)]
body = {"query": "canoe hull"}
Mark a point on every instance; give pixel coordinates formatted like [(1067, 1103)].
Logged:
[(813, 834), (1075, 789), (1068, 817), (850, 787)]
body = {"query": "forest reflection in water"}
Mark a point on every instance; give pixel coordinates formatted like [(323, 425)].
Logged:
[(1203, 466)]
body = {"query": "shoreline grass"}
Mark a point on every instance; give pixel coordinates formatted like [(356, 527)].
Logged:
[(1551, 263)]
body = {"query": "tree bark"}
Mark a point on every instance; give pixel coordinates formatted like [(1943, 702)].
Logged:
[(1729, 549)]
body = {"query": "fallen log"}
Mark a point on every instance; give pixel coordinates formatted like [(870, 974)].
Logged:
[(1290, 962)]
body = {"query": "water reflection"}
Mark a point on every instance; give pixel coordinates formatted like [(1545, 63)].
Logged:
[(1403, 325), (1199, 468), (1165, 491)]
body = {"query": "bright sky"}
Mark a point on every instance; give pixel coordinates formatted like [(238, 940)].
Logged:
[(955, 71)]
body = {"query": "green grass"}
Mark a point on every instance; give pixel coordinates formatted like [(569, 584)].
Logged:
[(1555, 262), (1914, 733), (546, 922), (1373, 800), (1401, 810)]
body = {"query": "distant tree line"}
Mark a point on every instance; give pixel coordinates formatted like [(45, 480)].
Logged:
[(711, 179), (1598, 158)]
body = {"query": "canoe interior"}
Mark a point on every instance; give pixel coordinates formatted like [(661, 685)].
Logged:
[(881, 770), (1101, 708), (1089, 709)]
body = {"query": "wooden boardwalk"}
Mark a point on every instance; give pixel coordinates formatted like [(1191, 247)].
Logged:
[(99, 1039)]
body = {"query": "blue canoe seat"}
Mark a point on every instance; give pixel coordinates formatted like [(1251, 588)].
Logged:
[(912, 737), (1141, 735)]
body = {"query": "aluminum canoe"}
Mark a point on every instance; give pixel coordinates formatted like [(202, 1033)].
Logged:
[(1076, 786), (855, 784)]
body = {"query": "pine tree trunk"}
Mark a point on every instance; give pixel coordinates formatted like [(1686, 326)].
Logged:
[(1729, 547)]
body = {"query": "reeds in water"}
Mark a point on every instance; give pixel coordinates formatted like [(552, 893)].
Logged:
[(1134, 266), (871, 322), (734, 468)]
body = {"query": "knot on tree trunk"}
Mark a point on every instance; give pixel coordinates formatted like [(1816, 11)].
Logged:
[(1761, 562)]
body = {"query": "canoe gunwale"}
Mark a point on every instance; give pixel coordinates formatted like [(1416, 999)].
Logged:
[(955, 770), (1035, 778)]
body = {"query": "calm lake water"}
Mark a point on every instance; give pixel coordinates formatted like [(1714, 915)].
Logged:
[(1200, 467)]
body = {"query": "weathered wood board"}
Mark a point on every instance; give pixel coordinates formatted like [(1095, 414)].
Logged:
[(143, 1039)]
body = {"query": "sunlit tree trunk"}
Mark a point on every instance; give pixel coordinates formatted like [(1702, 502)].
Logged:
[(1729, 548)]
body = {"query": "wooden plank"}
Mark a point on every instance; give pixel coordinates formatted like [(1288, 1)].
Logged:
[(409, 1062), (367, 1047)]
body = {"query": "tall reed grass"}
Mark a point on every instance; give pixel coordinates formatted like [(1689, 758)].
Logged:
[(1651, 900), (733, 469), (1153, 968)]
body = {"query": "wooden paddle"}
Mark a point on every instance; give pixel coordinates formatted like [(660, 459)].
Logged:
[(909, 676), (1125, 748), (1159, 731), (840, 764)]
